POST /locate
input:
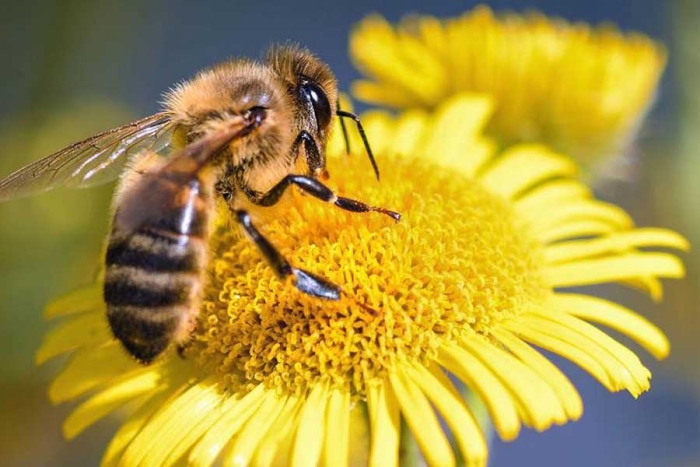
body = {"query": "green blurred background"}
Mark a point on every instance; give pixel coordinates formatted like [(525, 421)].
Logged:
[(73, 68)]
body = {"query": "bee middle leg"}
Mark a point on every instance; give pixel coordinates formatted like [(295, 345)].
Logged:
[(318, 190), (305, 281)]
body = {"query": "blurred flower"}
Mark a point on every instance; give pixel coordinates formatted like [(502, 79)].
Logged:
[(581, 90), (462, 287)]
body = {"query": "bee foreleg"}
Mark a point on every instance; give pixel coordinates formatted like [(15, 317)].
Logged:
[(303, 280), (314, 159), (318, 190)]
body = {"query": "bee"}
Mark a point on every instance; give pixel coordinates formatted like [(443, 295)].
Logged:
[(240, 130)]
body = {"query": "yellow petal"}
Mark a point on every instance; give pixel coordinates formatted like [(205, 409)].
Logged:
[(576, 211), (623, 366), (85, 330), (577, 228), (207, 409), (90, 368), (453, 133), (167, 427), (479, 378), (524, 166), (409, 130), (549, 194), (616, 317), (565, 390), (548, 341), (309, 438), (420, 418), (335, 448), (463, 426), (614, 243), (385, 425), (647, 284), (621, 372), (132, 426), (615, 268), (78, 301), (243, 447), (108, 400), (236, 412), (536, 400), (388, 96), (277, 442)]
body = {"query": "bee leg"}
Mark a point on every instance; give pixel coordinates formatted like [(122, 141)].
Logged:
[(318, 190), (303, 280), (314, 159)]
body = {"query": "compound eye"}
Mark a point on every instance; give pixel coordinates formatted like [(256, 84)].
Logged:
[(322, 108)]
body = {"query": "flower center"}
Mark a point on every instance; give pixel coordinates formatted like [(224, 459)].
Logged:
[(458, 262)]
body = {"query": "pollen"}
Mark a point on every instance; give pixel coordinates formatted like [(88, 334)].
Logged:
[(457, 263)]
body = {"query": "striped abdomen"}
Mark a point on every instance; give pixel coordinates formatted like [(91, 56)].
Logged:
[(154, 263)]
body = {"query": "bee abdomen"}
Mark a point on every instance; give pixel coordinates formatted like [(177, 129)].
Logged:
[(151, 250), (151, 288)]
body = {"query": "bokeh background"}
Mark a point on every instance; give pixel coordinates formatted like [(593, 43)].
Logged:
[(71, 68)]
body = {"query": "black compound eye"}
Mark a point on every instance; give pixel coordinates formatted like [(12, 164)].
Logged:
[(313, 94)]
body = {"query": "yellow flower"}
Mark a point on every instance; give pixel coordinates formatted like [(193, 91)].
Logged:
[(580, 90), (460, 289)]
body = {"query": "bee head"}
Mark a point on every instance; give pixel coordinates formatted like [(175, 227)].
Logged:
[(312, 86)]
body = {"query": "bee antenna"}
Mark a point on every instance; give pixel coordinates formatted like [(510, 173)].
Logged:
[(344, 128), (343, 114)]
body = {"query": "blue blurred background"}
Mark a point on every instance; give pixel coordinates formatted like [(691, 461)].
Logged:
[(72, 68)]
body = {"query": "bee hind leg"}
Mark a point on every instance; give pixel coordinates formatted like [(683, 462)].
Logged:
[(305, 281)]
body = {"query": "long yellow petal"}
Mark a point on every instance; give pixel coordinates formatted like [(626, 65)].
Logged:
[(243, 447), (565, 390), (536, 399), (571, 212), (550, 194), (207, 410), (554, 344), (524, 166), (631, 365), (635, 380), (615, 268), (309, 438), (648, 284), (382, 94), (420, 418), (614, 243), (78, 301), (277, 442), (409, 130), (108, 400), (165, 429), (385, 425), (90, 368), (464, 427), (87, 329), (236, 412), (132, 426), (336, 445), (453, 130), (573, 229), (481, 379), (616, 317)]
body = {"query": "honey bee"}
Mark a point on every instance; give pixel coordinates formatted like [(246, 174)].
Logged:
[(241, 130)]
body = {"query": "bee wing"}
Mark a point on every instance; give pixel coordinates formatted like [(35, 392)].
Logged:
[(96, 160)]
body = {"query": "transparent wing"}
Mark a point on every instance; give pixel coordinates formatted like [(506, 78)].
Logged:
[(96, 160)]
